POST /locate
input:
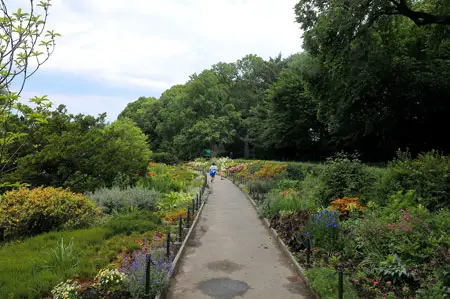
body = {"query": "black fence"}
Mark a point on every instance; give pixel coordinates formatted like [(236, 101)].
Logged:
[(174, 243)]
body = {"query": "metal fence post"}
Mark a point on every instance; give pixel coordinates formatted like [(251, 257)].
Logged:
[(148, 260), (187, 217), (168, 246), (341, 285), (180, 229)]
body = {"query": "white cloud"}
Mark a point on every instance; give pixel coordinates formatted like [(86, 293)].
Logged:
[(156, 44)]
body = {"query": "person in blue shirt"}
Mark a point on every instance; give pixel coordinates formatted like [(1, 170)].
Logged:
[(213, 171)]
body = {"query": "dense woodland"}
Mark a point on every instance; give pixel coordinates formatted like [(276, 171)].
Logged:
[(372, 78)]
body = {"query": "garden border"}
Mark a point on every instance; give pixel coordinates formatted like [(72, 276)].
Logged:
[(176, 260), (299, 269)]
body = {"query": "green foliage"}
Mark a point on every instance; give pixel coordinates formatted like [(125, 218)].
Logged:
[(112, 200), (174, 200), (25, 266), (428, 175), (284, 201), (261, 185), (81, 152), (141, 222), (63, 260), (166, 158), (323, 281), (26, 212), (288, 184), (344, 175)]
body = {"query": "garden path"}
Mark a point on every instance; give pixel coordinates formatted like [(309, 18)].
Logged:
[(231, 254)]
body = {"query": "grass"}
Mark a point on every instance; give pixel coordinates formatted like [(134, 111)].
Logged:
[(31, 268)]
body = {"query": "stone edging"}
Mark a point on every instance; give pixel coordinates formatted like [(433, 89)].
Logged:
[(176, 260), (299, 269)]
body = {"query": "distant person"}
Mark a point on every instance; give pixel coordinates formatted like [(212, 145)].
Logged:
[(212, 171)]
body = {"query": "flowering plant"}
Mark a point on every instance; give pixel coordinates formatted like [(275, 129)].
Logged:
[(66, 290), (324, 228), (347, 204), (134, 266), (111, 280)]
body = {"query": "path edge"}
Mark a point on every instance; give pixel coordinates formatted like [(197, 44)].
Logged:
[(281, 245), (177, 259)]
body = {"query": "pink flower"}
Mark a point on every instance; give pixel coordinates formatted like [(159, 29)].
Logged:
[(375, 283), (355, 280), (389, 282)]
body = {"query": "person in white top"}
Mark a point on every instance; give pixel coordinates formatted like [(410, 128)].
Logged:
[(212, 171)]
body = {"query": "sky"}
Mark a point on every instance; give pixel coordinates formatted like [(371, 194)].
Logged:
[(111, 52)]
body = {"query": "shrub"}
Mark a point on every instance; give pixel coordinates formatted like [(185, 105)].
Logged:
[(284, 201), (142, 221), (261, 186), (346, 205), (428, 174), (27, 212), (288, 184), (344, 175), (271, 170), (115, 199), (295, 171), (164, 157)]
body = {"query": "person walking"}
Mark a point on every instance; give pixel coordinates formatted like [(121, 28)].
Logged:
[(213, 171)]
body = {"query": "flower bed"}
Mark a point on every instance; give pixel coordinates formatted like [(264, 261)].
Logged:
[(339, 218), (105, 260)]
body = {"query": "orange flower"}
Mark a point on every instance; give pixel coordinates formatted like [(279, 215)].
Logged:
[(346, 204), (151, 173)]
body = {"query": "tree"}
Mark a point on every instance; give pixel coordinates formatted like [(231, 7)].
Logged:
[(80, 152), (24, 47), (362, 14), (380, 86)]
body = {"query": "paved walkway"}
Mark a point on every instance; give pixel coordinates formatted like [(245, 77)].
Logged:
[(231, 254)]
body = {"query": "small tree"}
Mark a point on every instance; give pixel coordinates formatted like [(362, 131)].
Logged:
[(24, 46)]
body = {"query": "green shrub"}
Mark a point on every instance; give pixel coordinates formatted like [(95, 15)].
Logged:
[(255, 166), (311, 189), (261, 186), (288, 184), (26, 212), (164, 157), (428, 174), (324, 282), (286, 201), (115, 199), (141, 222), (295, 171), (344, 175), (30, 270)]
